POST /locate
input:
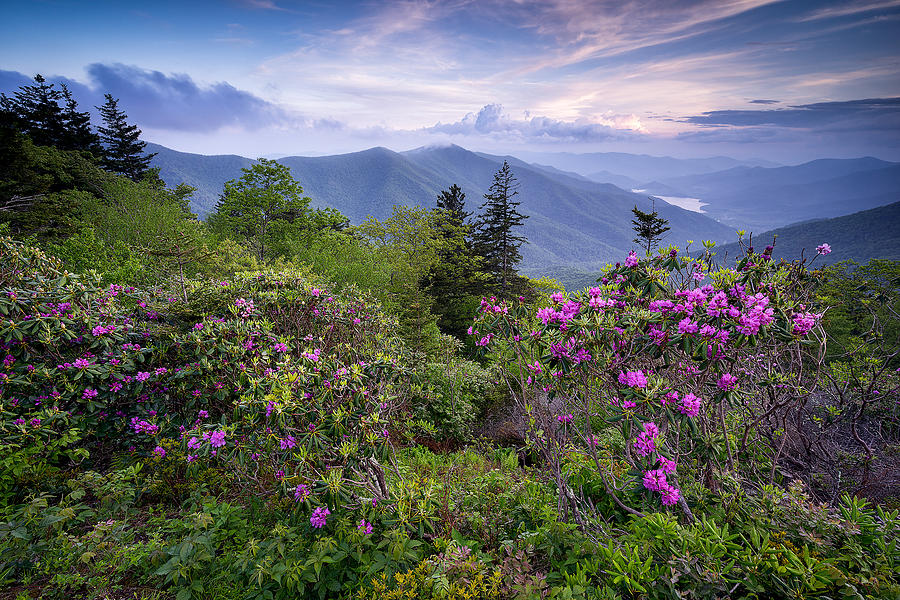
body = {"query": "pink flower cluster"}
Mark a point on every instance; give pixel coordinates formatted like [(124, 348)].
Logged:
[(690, 405), (365, 527), (301, 492), (631, 260), (645, 443), (635, 379), (727, 381), (246, 307), (804, 322), (319, 517), (655, 481)]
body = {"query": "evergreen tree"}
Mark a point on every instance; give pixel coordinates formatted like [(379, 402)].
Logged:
[(77, 134), (496, 239), (455, 279), (454, 202), (649, 227), (123, 149), (35, 111)]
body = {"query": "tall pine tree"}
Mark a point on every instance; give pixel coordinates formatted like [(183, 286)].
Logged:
[(123, 148), (496, 237), (454, 202), (77, 134), (456, 278), (649, 227), (35, 111)]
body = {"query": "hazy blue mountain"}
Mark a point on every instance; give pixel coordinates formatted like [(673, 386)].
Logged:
[(757, 199), (626, 183), (861, 236), (639, 167), (206, 173), (574, 222), (741, 178)]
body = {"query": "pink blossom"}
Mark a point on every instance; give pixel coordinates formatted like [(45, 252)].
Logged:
[(635, 379), (727, 381), (319, 517), (365, 527), (301, 492), (654, 480), (217, 439), (670, 495), (631, 260), (823, 249), (690, 405)]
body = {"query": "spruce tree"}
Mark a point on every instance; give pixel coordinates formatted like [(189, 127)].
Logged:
[(123, 149), (35, 111), (455, 279), (496, 239), (454, 202), (649, 227), (77, 134)]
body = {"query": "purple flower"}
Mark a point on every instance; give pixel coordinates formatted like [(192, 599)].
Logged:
[(565, 418), (319, 517), (823, 249), (280, 347), (633, 379), (670, 495), (159, 451), (365, 527), (655, 480), (727, 381), (666, 465), (687, 326), (690, 405), (301, 492), (89, 393), (217, 439), (81, 363), (631, 260), (288, 442)]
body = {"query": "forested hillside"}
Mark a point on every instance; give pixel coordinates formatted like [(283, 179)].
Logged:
[(858, 237), (573, 222)]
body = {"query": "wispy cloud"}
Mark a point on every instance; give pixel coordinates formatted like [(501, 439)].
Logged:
[(845, 9), (868, 114)]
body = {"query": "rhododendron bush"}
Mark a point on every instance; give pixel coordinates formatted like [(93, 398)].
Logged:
[(285, 384), (666, 364)]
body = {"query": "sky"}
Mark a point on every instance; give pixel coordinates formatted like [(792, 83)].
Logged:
[(787, 81)]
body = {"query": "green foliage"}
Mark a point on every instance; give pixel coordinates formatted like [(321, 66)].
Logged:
[(450, 396), (262, 206)]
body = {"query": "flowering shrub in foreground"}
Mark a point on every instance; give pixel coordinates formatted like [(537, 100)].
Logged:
[(664, 351)]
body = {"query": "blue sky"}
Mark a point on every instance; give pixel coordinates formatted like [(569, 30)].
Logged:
[(785, 80)]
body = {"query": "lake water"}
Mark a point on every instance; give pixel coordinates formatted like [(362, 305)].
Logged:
[(692, 204)]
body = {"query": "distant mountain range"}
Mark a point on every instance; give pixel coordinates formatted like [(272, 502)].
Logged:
[(861, 236), (607, 166), (574, 223), (758, 198)]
